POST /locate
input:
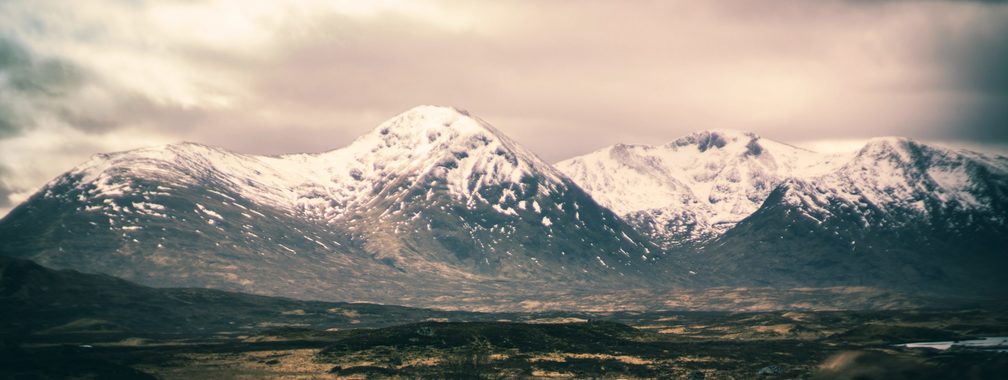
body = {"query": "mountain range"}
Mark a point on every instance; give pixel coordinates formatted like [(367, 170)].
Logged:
[(437, 207)]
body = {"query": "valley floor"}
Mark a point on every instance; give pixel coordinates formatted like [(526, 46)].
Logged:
[(676, 345)]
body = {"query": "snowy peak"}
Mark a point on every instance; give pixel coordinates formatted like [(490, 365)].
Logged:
[(693, 188), (721, 139), (443, 143), (444, 181), (896, 150), (899, 173), (430, 129), (887, 143)]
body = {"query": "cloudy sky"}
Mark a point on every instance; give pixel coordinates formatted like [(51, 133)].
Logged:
[(563, 78)]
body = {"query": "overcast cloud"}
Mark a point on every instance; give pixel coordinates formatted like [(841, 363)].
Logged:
[(563, 78)]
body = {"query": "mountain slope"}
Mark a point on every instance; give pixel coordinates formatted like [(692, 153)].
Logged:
[(432, 203), (41, 301)]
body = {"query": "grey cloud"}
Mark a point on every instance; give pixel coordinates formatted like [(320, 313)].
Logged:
[(34, 87), (133, 110), (982, 58), (975, 60), (6, 189), (983, 120), (30, 86), (9, 124), (26, 74), (37, 87)]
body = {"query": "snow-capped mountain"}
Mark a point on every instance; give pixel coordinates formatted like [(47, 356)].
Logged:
[(898, 213), (431, 201), (693, 189)]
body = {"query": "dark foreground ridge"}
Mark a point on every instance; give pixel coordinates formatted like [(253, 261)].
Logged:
[(37, 300)]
